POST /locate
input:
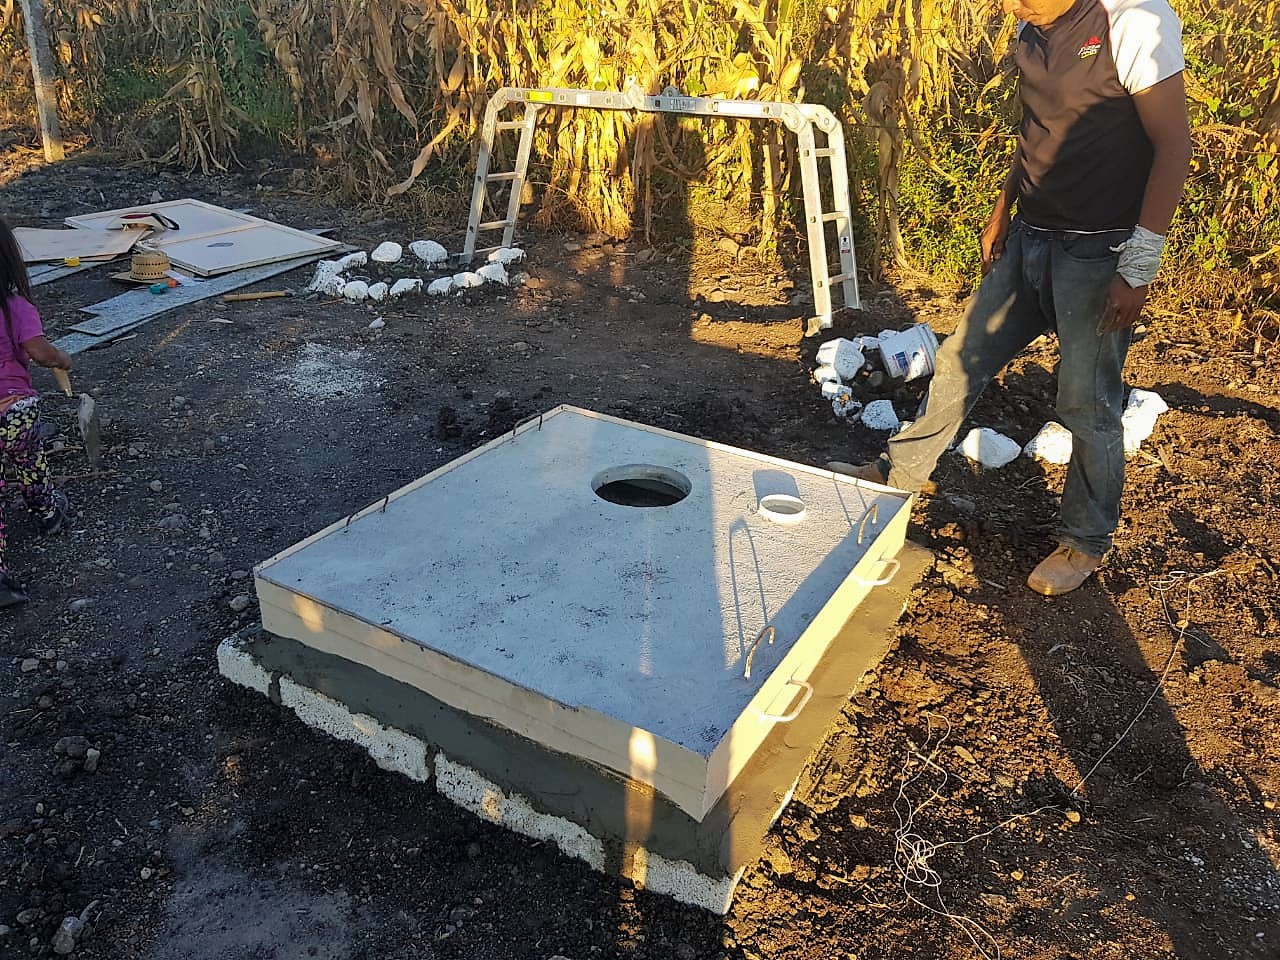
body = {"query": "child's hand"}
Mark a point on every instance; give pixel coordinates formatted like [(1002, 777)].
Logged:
[(46, 354)]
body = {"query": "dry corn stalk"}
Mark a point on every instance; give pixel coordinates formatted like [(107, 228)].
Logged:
[(374, 84)]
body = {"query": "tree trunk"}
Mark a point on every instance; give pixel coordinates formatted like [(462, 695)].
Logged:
[(43, 75)]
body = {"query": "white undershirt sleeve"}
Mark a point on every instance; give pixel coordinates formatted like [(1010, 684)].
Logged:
[(1146, 42)]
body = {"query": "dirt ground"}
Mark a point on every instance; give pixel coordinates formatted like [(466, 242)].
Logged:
[(937, 821)]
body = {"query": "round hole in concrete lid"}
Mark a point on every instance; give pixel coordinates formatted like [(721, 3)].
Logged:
[(641, 485), (782, 508)]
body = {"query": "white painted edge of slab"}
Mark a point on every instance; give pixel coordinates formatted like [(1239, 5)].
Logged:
[(390, 747), (237, 665), (680, 880), (471, 791), (395, 750)]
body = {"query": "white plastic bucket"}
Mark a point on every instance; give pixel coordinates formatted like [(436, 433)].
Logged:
[(909, 353)]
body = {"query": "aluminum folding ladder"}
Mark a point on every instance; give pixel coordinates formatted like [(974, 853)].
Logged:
[(808, 121)]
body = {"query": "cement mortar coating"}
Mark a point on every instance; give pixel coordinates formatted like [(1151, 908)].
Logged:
[(623, 815), (509, 562)]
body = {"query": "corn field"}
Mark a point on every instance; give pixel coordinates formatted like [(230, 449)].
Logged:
[(388, 96)]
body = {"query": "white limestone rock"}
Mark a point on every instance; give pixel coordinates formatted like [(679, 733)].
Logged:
[(326, 272), (404, 286), (1051, 445), (880, 415), (356, 291), (989, 447), (844, 355), (438, 288), (506, 255), (493, 273), (328, 286), (1139, 418), (387, 252), (429, 252), (826, 374)]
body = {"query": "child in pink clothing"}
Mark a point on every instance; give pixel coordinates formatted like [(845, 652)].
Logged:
[(21, 341)]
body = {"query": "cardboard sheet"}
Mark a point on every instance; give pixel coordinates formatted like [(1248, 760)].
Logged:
[(43, 246)]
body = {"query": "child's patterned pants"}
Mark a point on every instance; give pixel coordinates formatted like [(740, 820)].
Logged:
[(21, 450)]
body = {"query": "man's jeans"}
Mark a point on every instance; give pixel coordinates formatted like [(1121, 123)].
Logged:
[(1044, 281)]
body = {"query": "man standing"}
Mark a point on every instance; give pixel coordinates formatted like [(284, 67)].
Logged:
[(1103, 152)]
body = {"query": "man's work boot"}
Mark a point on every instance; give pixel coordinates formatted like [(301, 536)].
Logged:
[(1062, 571), (877, 471)]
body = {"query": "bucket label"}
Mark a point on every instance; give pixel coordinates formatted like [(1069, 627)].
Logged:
[(909, 353)]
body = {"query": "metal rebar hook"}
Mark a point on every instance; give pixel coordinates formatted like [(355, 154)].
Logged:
[(874, 514), (771, 633)]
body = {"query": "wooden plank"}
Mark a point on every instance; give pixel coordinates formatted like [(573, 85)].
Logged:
[(43, 75)]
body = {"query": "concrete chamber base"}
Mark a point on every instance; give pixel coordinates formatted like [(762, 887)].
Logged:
[(614, 823)]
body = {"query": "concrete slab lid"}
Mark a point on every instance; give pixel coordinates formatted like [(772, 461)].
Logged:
[(510, 562)]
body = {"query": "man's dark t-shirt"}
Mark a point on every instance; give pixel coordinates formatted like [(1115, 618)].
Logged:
[(1085, 155)]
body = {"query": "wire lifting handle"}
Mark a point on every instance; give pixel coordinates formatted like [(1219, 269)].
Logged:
[(795, 711), (892, 566)]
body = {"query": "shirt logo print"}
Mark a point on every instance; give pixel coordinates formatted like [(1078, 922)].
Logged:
[(1090, 49)]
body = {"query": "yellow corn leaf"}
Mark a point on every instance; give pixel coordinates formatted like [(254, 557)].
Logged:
[(737, 80), (385, 58), (456, 74), (424, 157), (343, 89), (589, 50), (364, 104), (787, 80), (753, 19)]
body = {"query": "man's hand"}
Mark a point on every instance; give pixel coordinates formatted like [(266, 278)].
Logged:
[(1124, 306), (993, 236)]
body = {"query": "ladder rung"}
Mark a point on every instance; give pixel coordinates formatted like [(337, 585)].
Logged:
[(823, 152), (826, 217), (502, 176), (494, 225), (841, 277), (508, 125)]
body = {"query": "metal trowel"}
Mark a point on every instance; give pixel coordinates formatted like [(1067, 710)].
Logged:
[(90, 430), (87, 418)]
